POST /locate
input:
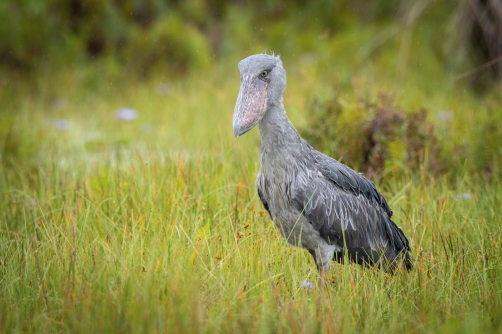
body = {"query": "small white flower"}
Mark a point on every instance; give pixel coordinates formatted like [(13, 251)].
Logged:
[(62, 124), (465, 196), (127, 114)]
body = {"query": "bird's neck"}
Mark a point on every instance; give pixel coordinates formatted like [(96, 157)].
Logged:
[(276, 131)]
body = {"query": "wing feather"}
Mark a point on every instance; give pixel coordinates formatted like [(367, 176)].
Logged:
[(348, 179), (348, 211), (264, 202)]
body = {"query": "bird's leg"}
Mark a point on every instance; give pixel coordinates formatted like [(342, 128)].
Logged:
[(312, 252), (323, 262), (321, 272)]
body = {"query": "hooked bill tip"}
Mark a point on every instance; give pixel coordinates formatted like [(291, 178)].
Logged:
[(238, 131)]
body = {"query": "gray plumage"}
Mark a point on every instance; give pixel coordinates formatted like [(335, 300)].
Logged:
[(315, 201)]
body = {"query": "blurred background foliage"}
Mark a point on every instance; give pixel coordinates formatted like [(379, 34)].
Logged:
[(192, 34), (127, 204), (423, 46)]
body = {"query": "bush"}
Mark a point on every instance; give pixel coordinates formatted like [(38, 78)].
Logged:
[(375, 137), (169, 41), (59, 31)]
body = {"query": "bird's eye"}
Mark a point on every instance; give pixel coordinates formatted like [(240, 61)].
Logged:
[(264, 74)]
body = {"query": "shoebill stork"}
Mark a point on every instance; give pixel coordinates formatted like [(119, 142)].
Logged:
[(315, 201)]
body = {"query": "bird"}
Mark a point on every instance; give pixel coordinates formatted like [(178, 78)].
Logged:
[(315, 201)]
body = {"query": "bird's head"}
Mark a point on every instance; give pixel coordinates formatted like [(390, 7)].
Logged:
[(263, 80)]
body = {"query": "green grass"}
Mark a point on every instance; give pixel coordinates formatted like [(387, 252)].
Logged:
[(154, 225)]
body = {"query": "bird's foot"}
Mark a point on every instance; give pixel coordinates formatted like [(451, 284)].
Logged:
[(307, 285)]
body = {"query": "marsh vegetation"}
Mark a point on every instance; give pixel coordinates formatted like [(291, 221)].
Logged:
[(126, 204)]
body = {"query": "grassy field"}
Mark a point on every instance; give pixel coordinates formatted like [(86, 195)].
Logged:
[(154, 224)]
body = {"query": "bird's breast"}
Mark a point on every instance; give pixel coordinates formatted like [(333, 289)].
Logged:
[(278, 179), (276, 189)]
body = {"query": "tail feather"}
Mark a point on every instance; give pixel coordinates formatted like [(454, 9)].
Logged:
[(399, 246)]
